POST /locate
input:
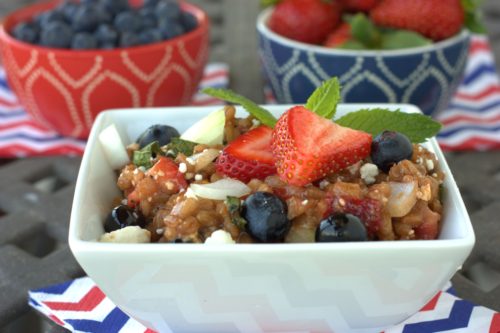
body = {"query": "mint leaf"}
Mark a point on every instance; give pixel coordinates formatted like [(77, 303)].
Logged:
[(400, 39), (415, 126), (363, 30), (145, 156), (263, 115), (473, 16), (178, 145), (323, 101)]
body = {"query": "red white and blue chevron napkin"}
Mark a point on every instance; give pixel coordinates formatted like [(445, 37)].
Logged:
[(80, 306)]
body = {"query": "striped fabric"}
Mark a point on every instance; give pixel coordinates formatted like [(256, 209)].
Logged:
[(21, 136), (80, 306), (472, 120)]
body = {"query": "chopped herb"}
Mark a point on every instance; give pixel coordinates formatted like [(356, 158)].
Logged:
[(145, 156), (178, 145), (234, 207)]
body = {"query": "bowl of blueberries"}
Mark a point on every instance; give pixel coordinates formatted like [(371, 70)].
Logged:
[(69, 60)]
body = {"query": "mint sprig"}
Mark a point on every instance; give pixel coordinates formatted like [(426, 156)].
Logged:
[(323, 101), (263, 115), (415, 126)]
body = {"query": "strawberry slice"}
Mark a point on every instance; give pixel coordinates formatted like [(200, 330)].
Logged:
[(165, 170), (307, 147), (249, 156)]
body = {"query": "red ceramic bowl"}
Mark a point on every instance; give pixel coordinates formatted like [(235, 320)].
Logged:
[(65, 89)]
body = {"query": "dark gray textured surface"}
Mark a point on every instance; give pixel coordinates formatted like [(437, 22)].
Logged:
[(34, 220)]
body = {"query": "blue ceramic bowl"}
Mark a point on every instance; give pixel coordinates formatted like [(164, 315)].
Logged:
[(425, 76)]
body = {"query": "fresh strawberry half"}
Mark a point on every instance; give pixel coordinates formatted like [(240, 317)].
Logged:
[(434, 19), (339, 36), (165, 170), (307, 147), (308, 21), (249, 156)]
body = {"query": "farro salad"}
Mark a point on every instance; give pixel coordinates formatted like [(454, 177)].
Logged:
[(300, 178)]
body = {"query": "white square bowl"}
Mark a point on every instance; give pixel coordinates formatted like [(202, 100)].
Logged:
[(317, 287)]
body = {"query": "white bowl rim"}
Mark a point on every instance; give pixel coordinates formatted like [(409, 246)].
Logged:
[(264, 30), (78, 245)]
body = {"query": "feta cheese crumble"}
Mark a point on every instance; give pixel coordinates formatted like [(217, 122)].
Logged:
[(219, 237), (131, 234), (368, 173)]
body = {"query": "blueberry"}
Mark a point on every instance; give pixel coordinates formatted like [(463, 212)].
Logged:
[(161, 133), (150, 3), (51, 16), (84, 41), (123, 216), (128, 22), (68, 10), (150, 36), (168, 9), (389, 148), (106, 34), (89, 2), (189, 21), (148, 18), (86, 19), (170, 29), (56, 34), (27, 32), (266, 217), (108, 46), (129, 39), (116, 6), (341, 228), (105, 16)]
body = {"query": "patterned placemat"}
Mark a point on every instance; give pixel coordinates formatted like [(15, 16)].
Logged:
[(80, 306)]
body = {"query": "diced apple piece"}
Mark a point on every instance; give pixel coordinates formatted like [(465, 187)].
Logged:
[(113, 147), (208, 130)]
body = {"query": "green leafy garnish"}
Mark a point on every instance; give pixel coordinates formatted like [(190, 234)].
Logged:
[(415, 126), (263, 115), (473, 16), (400, 39), (323, 101), (144, 157), (234, 206), (367, 36), (364, 31), (178, 145)]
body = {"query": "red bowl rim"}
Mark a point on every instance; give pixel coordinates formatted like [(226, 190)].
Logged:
[(30, 11)]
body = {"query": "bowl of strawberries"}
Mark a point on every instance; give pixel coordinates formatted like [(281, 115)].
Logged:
[(382, 51)]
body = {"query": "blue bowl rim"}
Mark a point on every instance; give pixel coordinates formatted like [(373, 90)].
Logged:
[(262, 28)]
